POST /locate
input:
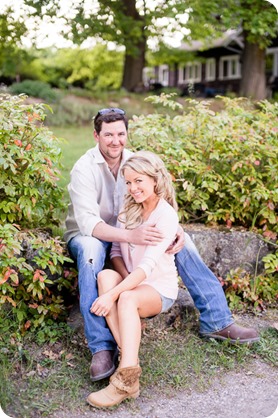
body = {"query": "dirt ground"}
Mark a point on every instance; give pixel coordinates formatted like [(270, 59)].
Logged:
[(248, 393), (252, 393)]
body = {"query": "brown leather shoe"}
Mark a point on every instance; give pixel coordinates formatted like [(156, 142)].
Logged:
[(103, 365), (234, 334)]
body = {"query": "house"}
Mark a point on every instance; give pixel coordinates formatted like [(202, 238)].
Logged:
[(215, 69)]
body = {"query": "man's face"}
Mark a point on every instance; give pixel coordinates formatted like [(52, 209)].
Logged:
[(112, 139)]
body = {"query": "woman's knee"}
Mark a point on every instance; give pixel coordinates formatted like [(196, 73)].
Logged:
[(126, 299), (107, 279)]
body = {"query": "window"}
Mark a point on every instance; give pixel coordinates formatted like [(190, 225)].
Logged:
[(229, 67), (148, 75), (163, 75), (191, 72), (210, 69), (272, 61)]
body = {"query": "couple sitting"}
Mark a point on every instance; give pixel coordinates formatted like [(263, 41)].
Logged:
[(128, 199)]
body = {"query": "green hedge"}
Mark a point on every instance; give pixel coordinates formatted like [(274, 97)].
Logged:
[(34, 266), (35, 88), (224, 164)]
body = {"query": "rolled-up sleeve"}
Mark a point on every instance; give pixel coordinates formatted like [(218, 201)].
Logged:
[(84, 197)]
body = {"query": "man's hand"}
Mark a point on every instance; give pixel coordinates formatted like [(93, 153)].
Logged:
[(178, 243), (145, 235)]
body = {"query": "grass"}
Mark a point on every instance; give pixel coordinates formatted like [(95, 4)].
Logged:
[(39, 378), (76, 141)]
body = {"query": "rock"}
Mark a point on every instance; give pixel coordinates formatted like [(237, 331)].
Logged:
[(228, 249), (75, 319)]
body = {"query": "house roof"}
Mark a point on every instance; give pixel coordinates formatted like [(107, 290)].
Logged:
[(230, 36)]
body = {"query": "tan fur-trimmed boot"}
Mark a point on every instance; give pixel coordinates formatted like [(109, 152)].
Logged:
[(124, 384)]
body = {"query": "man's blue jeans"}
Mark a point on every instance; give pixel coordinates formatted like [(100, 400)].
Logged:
[(203, 286)]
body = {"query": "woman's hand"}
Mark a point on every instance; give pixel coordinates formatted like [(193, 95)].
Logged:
[(179, 242), (102, 305)]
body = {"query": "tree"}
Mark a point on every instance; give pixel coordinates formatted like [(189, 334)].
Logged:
[(126, 23), (258, 20), (132, 23), (11, 32)]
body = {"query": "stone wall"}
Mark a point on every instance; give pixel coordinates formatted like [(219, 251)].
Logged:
[(226, 249)]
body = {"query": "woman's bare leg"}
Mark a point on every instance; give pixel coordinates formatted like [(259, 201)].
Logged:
[(143, 301), (107, 279)]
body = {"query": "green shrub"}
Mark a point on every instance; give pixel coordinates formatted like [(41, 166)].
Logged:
[(34, 88), (33, 275), (244, 291), (29, 166), (224, 165), (34, 266)]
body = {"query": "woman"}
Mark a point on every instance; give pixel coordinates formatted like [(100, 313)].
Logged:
[(145, 280)]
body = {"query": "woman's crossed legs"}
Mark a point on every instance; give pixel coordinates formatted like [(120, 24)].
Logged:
[(124, 318)]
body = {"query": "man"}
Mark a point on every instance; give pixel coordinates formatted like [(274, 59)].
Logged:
[(96, 192)]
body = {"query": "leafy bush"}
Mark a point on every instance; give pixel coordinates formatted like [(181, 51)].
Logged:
[(224, 165), (32, 284), (243, 291), (34, 88), (29, 166), (33, 269)]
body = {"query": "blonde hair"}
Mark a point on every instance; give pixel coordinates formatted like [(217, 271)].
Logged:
[(147, 163)]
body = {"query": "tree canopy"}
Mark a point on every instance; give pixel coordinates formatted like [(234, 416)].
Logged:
[(126, 23), (11, 32), (132, 26)]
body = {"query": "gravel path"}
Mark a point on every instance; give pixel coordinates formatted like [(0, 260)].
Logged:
[(252, 394)]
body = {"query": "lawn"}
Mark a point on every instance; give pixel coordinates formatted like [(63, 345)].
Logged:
[(76, 141)]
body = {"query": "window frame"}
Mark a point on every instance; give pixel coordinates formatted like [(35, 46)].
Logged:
[(210, 69), (274, 51), (184, 72), (229, 59), (163, 75)]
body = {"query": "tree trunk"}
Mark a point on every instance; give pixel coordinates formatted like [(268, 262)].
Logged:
[(253, 79), (133, 70), (134, 62)]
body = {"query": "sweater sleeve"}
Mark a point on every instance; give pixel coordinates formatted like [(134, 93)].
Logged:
[(167, 222), (115, 250)]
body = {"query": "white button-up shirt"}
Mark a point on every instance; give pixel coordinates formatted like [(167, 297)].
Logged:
[(96, 196)]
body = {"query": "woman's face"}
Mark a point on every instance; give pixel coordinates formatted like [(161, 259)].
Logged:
[(139, 186)]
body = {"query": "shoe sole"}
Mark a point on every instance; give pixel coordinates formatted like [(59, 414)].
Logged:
[(126, 398), (232, 341)]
